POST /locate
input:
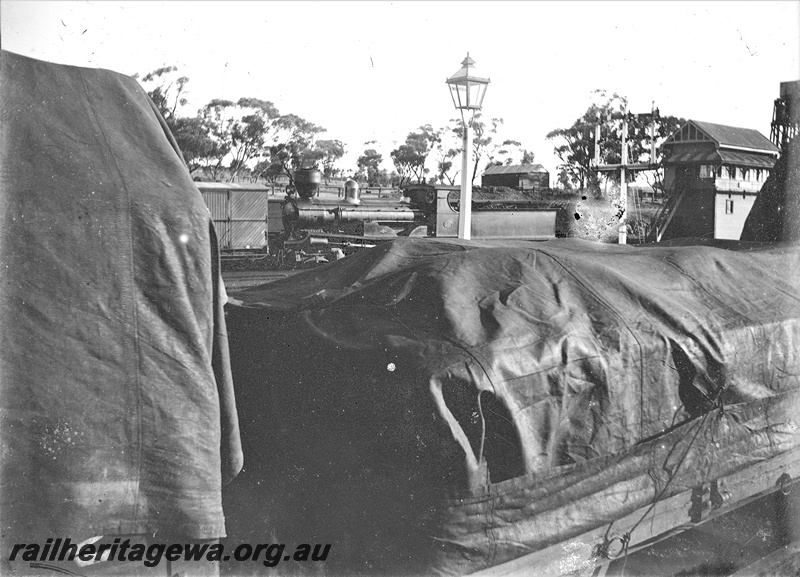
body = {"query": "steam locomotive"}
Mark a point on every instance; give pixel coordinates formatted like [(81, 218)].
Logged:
[(310, 225), (315, 228)]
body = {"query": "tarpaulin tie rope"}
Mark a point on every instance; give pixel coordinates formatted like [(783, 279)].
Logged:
[(626, 537)]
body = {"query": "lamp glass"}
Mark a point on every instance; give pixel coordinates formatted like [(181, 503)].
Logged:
[(468, 94), (477, 90), (458, 93), (467, 90)]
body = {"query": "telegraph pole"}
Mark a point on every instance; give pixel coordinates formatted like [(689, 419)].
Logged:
[(623, 182), (624, 166)]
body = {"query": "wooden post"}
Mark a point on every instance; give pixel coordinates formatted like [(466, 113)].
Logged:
[(623, 185), (653, 132), (597, 144)]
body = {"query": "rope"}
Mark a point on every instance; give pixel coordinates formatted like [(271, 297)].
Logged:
[(483, 429), (626, 537)]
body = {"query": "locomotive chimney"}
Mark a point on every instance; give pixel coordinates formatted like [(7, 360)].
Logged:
[(306, 181)]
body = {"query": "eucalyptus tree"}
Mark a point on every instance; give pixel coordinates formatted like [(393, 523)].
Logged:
[(369, 166), (167, 89), (575, 146), (241, 129), (411, 157), (528, 157), (407, 160), (199, 149), (424, 141), (332, 151), (447, 149), (482, 139), (253, 123), (214, 118), (293, 145)]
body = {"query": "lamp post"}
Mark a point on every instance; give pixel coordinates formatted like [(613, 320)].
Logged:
[(467, 92)]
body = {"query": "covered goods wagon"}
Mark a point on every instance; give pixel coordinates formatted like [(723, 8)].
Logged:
[(514, 407), (239, 212)]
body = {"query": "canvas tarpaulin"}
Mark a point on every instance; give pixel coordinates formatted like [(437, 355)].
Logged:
[(117, 402), (435, 406)]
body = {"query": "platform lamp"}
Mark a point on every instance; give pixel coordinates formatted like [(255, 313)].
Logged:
[(467, 92)]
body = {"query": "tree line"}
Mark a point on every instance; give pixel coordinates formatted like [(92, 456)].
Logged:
[(442, 148), (250, 137)]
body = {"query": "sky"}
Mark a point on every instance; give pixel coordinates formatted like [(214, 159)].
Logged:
[(374, 70)]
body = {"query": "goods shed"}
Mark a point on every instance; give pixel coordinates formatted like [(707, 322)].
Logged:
[(520, 176)]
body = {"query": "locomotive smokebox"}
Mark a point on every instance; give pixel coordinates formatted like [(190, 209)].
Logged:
[(306, 181), (352, 195)]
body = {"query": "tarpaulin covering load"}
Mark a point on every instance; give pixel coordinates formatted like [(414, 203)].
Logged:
[(117, 402), (444, 406)]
